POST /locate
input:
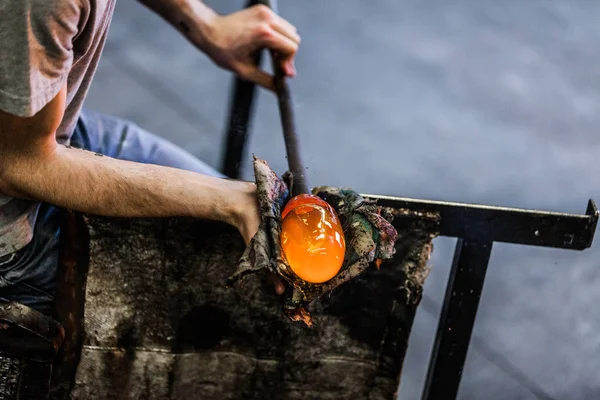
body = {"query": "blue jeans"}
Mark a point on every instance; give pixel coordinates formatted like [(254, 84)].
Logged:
[(29, 275)]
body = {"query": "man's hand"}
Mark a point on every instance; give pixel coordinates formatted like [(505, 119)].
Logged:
[(34, 167), (248, 222), (248, 214), (233, 40)]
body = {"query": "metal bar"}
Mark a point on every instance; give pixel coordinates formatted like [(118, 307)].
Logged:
[(510, 225), (241, 110), (459, 310), (288, 120), (292, 144)]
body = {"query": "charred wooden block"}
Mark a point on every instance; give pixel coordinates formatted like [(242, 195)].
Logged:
[(160, 322)]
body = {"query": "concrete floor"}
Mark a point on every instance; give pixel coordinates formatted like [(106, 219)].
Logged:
[(493, 102)]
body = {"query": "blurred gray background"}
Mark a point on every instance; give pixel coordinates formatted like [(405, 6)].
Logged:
[(487, 101)]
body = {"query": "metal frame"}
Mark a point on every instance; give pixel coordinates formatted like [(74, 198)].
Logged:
[(477, 227)]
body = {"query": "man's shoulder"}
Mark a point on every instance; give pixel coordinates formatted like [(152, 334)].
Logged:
[(39, 11), (41, 5)]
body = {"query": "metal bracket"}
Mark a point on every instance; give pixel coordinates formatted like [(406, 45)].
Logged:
[(482, 223), (477, 227)]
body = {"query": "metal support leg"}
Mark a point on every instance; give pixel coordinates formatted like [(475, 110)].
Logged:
[(239, 121), (457, 319)]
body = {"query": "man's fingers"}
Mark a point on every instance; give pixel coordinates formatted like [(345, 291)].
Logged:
[(278, 35), (279, 288), (278, 42), (289, 67), (288, 62), (266, 15), (285, 28), (284, 47), (277, 282)]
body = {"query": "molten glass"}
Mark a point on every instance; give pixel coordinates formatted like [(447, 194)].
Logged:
[(312, 238)]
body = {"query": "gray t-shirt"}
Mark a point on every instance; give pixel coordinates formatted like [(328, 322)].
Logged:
[(45, 44)]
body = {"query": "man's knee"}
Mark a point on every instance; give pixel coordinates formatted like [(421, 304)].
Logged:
[(30, 276)]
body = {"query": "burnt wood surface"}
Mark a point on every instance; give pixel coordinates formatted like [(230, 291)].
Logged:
[(160, 322)]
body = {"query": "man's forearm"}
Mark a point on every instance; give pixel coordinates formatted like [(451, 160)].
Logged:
[(89, 182), (232, 41), (185, 13)]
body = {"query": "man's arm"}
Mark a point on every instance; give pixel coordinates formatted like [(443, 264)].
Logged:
[(33, 166), (232, 40)]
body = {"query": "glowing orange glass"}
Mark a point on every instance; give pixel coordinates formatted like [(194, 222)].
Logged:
[(312, 238)]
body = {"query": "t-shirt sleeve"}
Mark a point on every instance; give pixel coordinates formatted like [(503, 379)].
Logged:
[(36, 52)]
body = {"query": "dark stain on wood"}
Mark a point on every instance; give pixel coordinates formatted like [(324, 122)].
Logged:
[(202, 328)]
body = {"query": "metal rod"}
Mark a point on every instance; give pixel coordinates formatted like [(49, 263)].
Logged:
[(459, 310), (240, 118), (503, 224), (292, 145), (288, 123)]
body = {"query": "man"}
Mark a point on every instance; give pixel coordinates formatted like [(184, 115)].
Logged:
[(55, 155)]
